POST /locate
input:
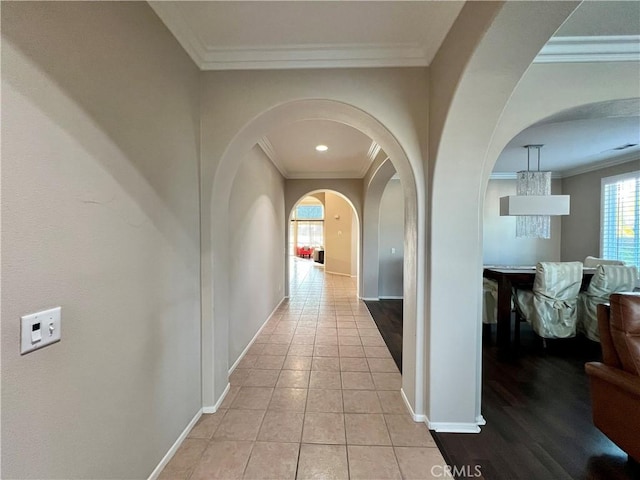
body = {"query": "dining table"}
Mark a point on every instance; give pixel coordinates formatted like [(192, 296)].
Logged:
[(508, 278)]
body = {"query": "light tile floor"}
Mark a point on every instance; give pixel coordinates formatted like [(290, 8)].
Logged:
[(317, 396)]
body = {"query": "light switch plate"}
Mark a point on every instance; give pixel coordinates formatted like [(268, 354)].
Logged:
[(40, 329)]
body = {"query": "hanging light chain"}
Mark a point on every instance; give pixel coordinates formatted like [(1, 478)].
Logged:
[(529, 147)]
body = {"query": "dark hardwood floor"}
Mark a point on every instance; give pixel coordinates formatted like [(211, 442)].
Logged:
[(388, 316), (538, 413)]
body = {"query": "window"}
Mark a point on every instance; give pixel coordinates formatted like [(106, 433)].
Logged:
[(620, 224), (309, 212), (307, 227), (310, 234)]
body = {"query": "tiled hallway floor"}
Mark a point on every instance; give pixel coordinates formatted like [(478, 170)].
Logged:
[(317, 396)]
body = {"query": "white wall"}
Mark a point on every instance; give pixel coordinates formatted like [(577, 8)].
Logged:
[(391, 235), (256, 235), (500, 245), (581, 229), (99, 215)]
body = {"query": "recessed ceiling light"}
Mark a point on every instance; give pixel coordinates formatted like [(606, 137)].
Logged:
[(322, 148)]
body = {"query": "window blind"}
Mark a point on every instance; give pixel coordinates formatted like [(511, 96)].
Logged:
[(620, 224)]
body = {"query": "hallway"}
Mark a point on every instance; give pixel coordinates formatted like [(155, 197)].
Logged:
[(316, 396)]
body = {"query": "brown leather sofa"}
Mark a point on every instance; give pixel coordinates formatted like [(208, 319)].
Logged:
[(615, 383)]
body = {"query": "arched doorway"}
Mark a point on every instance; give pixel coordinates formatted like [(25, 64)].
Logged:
[(215, 266), (324, 227)]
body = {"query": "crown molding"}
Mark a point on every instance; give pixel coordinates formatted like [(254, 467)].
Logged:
[(626, 158), (323, 175), (374, 149), (503, 176), (270, 152), (614, 48), (313, 56), (572, 172), (514, 176), (280, 57), (170, 15)]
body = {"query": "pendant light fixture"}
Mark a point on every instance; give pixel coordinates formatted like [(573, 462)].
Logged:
[(534, 203)]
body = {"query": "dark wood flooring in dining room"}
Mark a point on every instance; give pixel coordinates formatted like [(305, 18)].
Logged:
[(538, 413)]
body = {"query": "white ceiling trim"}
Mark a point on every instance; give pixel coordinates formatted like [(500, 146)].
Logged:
[(170, 14), (322, 175), (314, 56), (619, 48), (514, 175), (270, 152), (293, 56), (374, 149), (628, 157)]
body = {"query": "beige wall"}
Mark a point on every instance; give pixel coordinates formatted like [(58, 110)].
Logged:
[(337, 234), (581, 229), (99, 215), (256, 232), (391, 233), (500, 245)]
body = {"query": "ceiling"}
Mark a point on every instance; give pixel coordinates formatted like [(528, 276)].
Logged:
[(578, 140), (227, 35), (292, 150)]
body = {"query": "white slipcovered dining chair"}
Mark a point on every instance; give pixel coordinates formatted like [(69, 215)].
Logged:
[(608, 279), (551, 307), (489, 301), (593, 262)]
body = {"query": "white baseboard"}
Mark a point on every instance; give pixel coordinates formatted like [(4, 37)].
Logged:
[(414, 415), (215, 407), (174, 448), (341, 274), (391, 297), (452, 427), (480, 420), (373, 299), (244, 352)]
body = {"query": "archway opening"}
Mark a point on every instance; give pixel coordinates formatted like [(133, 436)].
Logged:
[(323, 233), (216, 286)]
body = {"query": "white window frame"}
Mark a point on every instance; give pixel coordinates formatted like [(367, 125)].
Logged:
[(608, 181)]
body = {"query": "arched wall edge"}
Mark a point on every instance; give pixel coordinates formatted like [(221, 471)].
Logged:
[(461, 132), (374, 189)]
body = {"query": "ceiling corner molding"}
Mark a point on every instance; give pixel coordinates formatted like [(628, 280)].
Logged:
[(314, 56), (170, 15), (618, 48), (599, 165), (503, 176), (374, 149), (514, 176), (270, 152), (324, 175)]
